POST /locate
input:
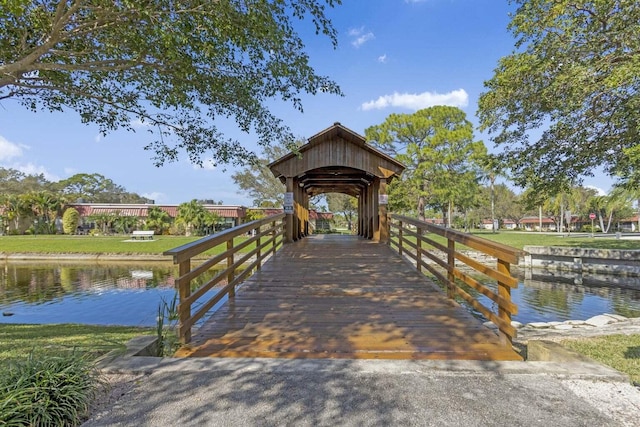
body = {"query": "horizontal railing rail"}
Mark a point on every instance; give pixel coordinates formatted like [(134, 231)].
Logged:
[(239, 260), (412, 239)]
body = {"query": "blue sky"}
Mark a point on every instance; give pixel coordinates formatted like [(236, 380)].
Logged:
[(394, 56)]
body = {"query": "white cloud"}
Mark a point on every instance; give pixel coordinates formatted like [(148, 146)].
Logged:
[(137, 124), (98, 138), (207, 164), (70, 171), (9, 150), (31, 169), (417, 101), (156, 196), (599, 190), (382, 58), (360, 37)]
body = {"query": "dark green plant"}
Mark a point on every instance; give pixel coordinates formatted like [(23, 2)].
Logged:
[(47, 390), (166, 324)]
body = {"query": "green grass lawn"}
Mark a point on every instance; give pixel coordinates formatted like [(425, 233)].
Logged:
[(521, 239), (18, 341), (621, 352), (52, 244), (121, 245)]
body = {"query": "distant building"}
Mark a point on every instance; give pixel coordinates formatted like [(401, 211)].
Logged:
[(629, 224), (506, 224), (230, 215), (319, 221)]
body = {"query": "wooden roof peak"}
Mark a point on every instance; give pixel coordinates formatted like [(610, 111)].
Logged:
[(329, 135)]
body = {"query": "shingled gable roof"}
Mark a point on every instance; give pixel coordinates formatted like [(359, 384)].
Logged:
[(293, 163)]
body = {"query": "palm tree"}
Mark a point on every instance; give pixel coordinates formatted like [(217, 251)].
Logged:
[(157, 219), (15, 208), (190, 214), (45, 206)]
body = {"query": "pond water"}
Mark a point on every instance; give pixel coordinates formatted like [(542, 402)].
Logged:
[(121, 294), (114, 294)]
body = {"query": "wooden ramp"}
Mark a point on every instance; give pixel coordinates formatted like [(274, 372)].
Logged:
[(331, 296)]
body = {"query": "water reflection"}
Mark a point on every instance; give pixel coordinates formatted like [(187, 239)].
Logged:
[(545, 296), (129, 294), (84, 293)]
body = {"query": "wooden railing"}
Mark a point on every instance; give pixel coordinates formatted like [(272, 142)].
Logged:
[(440, 260), (265, 238)]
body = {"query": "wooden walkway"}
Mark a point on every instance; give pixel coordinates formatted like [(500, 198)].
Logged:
[(330, 296)]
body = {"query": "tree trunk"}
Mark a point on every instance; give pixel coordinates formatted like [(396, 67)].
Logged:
[(421, 208)]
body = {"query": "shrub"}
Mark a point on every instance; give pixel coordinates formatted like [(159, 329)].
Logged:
[(70, 220), (47, 390)]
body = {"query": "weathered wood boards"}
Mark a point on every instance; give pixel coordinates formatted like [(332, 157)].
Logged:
[(331, 296)]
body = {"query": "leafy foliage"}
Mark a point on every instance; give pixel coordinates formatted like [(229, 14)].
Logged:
[(344, 205), (47, 390), (566, 101), (257, 179), (174, 67), (436, 144), (158, 220), (195, 218), (96, 188)]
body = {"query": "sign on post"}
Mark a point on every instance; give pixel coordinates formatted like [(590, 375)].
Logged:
[(288, 202)]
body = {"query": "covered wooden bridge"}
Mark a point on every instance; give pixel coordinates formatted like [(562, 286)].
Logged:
[(338, 160), (286, 293)]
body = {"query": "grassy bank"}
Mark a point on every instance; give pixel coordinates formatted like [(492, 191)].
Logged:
[(117, 245), (121, 245), (621, 352), (18, 341), (521, 239)]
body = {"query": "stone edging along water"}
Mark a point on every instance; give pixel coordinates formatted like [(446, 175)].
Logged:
[(578, 260), (603, 324)]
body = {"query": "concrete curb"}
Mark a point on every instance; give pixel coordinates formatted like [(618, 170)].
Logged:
[(560, 364)]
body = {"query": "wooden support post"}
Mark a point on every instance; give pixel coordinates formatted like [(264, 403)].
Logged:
[(419, 249), (400, 237), (184, 309), (259, 249), (451, 262), (371, 213), (383, 224), (231, 274), (274, 232), (504, 291), (288, 235), (360, 212)]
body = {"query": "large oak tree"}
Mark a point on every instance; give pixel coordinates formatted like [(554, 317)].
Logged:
[(567, 100), (176, 65)]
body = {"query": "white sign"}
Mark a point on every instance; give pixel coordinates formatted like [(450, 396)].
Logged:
[(288, 200), (383, 199), (288, 210)]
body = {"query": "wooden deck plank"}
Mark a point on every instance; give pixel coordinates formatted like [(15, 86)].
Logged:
[(343, 297)]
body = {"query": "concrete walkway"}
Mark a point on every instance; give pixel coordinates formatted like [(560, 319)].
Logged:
[(266, 392)]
